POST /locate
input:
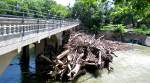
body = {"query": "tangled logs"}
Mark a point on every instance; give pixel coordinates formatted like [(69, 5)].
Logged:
[(83, 50)]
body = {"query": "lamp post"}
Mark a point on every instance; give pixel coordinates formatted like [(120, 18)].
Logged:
[(49, 14), (17, 6)]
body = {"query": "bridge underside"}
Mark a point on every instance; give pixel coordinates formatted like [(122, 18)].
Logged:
[(48, 46), (16, 34)]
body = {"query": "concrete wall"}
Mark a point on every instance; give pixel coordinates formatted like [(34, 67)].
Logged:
[(127, 37), (109, 35), (147, 41), (134, 38), (6, 59)]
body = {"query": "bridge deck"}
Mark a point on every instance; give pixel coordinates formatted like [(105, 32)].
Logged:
[(14, 34)]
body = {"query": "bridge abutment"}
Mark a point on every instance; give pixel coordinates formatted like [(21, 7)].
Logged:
[(6, 59)]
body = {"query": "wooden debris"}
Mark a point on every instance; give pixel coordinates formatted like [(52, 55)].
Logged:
[(83, 50), (63, 54)]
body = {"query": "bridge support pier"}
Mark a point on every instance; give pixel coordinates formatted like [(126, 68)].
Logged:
[(39, 51), (24, 60), (46, 47)]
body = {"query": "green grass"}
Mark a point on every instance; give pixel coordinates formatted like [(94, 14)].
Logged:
[(142, 31), (120, 28), (115, 28)]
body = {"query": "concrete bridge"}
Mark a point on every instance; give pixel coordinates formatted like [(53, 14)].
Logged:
[(17, 34)]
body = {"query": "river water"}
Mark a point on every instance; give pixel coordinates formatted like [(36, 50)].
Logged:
[(131, 66)]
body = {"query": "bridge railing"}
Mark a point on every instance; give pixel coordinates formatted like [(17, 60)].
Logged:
[(10, 29), (20, 31), (14, 21), (17, 25)]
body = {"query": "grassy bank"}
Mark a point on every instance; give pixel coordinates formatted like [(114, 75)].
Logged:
[(120, 28), (142, 31)]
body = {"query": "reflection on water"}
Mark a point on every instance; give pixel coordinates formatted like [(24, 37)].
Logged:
[(13, 73), (132, 66)]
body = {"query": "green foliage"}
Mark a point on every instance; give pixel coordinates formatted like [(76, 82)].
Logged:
[(142, 30), (96, 14), (120, 13), (59, 10), (88, 11), (131, 11), (108, 27), (119, 28), (40, 7), (95, 28)]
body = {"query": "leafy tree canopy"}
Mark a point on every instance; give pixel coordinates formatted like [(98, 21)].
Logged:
[(39, 6)]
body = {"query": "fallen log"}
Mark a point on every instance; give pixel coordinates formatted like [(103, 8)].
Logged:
[(99, 58), (63, 54), (45, 58), (88, 63), (74, 71)]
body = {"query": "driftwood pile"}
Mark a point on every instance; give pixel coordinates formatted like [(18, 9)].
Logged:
[(83, 50)]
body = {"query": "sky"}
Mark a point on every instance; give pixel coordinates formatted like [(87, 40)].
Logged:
[(65, 2)]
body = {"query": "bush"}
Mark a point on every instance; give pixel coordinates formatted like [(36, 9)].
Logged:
[(119, 28), (116, 28), (95, 28), (108, 27), (142, 31)]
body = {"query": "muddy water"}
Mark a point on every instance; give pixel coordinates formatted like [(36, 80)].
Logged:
[(132, 66)]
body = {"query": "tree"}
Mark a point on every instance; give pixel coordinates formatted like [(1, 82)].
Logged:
[(88, 11), (36, 7), (136, 11)]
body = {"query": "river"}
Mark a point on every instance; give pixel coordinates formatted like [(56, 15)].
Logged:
[(131, 66)]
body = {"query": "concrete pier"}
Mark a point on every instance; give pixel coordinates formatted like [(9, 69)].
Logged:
[(24, 59)]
